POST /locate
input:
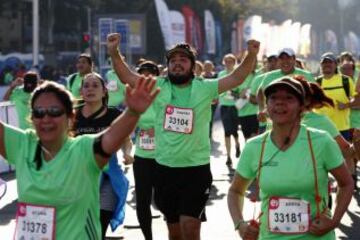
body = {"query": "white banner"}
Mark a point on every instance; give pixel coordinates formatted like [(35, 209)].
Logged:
[(165, 22), (210, 35), (177, 27), (331, 41), (285, 34), (295, 36), (305, 40), (252, 28), (352, 43)]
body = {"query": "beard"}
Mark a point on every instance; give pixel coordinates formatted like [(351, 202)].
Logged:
[(29, 88), (180, 79)]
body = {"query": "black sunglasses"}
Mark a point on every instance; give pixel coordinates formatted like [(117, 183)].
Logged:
[(51, 112)]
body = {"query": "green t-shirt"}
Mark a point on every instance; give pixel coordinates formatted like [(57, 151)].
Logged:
[(69, 182), (248, 109), (355, 113), (146, 122), (276, 74), (226, 98), (8, 78), (116, 89), (321, 122), (290, 173), (176, 149), (21, 100), (74, 85)]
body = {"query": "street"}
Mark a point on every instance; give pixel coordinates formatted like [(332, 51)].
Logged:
[(219, 224)]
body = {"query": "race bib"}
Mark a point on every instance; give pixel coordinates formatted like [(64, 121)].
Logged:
[(34, 222), (145, 141), (112, 86), (288, 215), (178, 119), (229, 96)]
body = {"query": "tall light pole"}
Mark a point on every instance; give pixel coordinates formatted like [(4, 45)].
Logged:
[(35, 32)]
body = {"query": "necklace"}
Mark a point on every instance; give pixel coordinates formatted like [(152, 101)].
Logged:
[(47, 151)]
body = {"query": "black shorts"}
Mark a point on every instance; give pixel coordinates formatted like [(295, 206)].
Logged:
[(182, 191), (249, 125), (229, 118)]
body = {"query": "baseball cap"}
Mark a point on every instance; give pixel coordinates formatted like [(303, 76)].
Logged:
[(329, 56), (271, 55), (149, 66), (182, 48), (288, 51), (294, 86)]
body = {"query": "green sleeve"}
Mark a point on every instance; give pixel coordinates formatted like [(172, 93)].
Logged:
[(310, 77), (352, 87), (14, 94), (330, 127), (212, 88), (14, 138), (249, 159), (331, 153), (87, 149)]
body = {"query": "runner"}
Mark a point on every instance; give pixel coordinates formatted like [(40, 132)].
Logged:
[(19, 93), (247, 114), (181, 133), (94, 117), (228, 111), (57, 175), (341, 90), (84, 66), (116, 90), (209, 73), (144, 165), (286, 61), (292, 163), (199, 70)]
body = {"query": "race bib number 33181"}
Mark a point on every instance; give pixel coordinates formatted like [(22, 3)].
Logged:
[(178, 119), (288, 215)]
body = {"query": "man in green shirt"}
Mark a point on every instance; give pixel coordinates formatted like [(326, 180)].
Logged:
[(286, 61), (183, 110), (84, 66), (19, 93)]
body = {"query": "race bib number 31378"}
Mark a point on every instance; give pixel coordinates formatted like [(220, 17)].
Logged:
[(178, 119), (34, 222)]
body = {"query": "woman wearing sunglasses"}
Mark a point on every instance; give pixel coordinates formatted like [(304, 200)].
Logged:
[(58, 175), (291, 163), (92, 117)]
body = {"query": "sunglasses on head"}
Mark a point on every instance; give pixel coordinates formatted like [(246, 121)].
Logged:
[(51, 112)]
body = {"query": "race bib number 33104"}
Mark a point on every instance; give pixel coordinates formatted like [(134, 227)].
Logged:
[(178, 119)]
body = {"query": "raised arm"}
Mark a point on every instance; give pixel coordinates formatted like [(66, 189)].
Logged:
[(138, 99), (239, 74), (13, 85), (121, 68), (235, 201)]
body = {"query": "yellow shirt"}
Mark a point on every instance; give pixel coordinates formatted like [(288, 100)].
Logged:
[(333, 88)]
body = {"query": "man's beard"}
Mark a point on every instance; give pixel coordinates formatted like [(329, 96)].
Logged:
[(180, 79), (29, 88)]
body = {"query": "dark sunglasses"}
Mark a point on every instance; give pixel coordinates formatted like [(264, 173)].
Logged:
[(51, 112)]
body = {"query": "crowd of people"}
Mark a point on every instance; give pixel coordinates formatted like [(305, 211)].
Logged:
[(298, 129)]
